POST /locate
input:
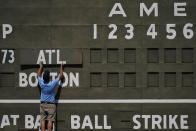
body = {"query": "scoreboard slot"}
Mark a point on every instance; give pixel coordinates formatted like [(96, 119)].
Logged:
[(50, 56), (7, 80)]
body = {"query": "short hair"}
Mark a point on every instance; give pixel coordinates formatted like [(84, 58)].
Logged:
[(46, 76)]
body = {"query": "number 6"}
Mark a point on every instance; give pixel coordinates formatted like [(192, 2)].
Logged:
[(188, 33)]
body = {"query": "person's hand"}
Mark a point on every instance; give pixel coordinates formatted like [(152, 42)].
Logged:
[(40, 65), (62, 65)]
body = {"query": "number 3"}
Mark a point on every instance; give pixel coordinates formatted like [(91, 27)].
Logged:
[(130, 31), (12, 56)]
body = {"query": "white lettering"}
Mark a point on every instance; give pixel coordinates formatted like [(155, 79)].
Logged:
[(87, 122), (178, 9), (41, 57), (183, 122), (14, 117), (106, 126), (7, 29), (66, 79), (146, 117), (117, 12), (164, 121), (160, 121), (23, 80), (37, 122), (138, 124), (49, 56), (74, 79), (58, 58), (31, 80), (31, 77), (148, 11), (172, 121), (97, 123), (75, 122), (156, 121), (29, 121), (5, 121)]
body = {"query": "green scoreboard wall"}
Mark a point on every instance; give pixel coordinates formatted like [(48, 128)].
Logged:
[(128, 64)]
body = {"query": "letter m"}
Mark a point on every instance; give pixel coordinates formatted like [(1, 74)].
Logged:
[(148, 11)]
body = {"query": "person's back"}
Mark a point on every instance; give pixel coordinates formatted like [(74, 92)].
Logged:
[(47, 98), (47, 90)]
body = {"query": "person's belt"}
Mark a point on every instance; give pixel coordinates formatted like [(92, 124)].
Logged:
[(47, 102)]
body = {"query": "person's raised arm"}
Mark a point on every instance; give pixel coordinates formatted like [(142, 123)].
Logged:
[(61, 71), (39, 70)]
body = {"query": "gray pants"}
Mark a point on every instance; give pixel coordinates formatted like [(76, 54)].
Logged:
[(47, 111)]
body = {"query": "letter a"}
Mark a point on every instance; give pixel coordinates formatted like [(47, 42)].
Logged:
[(41, 57), (117, 12)]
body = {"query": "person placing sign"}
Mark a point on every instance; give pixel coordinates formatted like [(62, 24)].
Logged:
[(47, 99)]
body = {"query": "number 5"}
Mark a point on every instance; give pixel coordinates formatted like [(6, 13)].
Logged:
[(170, 30)]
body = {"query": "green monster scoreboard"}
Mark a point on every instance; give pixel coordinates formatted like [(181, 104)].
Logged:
[(129, 65)]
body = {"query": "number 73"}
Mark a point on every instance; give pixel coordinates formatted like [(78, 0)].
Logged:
[(9, 55)]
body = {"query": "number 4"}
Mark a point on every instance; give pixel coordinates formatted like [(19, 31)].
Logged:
[(151, 31)]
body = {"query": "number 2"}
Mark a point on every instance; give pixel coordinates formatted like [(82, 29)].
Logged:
[(111, 34)]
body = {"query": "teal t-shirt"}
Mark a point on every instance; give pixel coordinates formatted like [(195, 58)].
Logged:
[(47, 90)]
